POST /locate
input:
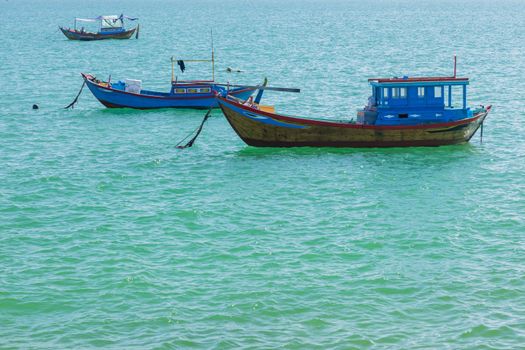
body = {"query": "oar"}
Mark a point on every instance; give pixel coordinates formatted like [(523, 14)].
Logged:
[(260, 87)]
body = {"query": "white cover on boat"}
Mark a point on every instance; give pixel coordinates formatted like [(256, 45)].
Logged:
[(133, 85)]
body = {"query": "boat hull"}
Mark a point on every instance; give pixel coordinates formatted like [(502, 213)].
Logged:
[(88, 36), (113, 98), (262, 129)]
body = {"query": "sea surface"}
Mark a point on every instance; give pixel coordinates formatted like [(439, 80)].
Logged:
[(112, 238)]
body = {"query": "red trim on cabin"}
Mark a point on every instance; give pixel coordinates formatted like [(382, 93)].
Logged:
[(416, 79), (347, 125)]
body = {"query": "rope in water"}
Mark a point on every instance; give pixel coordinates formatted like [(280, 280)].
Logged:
[(72, 104), (197, 131)]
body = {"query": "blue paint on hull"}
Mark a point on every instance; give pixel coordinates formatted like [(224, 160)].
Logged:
[(117, 98)]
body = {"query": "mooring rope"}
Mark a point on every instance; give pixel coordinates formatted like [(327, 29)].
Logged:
[(196, 131), (72, 104), (481, 134)]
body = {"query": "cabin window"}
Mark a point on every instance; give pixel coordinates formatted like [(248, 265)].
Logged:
[(385, 92), (395, 92), (437, 92), (180, 91), (420, 92), (399, 92), (192, 91), (205, 90)]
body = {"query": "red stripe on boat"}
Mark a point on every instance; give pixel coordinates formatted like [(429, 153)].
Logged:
[(347, 125)]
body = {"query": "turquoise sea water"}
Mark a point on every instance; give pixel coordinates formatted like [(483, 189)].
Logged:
[(112, 238)]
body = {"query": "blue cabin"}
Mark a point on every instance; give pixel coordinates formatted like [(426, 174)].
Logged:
[(413, 101)]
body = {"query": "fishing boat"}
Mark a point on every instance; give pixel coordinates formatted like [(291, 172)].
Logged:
[(110, 27), (401, 112), (199, 94)]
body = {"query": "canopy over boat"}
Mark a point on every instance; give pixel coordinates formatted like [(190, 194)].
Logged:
[(107, 20)]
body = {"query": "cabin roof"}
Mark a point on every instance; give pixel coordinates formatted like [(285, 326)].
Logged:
[(419, 81), (416, 79)]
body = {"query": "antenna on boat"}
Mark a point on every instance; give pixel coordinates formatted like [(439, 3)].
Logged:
[(481, 134), (172, 69), (455, 61), (212, 57)]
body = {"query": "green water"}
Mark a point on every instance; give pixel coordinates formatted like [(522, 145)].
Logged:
[(112, 238)]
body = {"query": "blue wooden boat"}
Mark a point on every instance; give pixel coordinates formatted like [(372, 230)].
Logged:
[(110, 27), (200, 94), (400, 112)]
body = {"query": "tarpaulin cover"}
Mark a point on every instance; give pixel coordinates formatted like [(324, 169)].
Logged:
[(113, 18)]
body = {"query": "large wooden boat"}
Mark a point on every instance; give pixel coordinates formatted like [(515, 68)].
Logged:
[(111, 27), (401, 112)]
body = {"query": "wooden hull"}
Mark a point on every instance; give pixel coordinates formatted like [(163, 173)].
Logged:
[(262, 129), (114, 98), (88, 36)]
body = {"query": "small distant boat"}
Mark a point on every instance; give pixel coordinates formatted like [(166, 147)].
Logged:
[(111, 27), (401, 112)]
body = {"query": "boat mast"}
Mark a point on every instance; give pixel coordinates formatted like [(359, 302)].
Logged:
[(172, 69), (212, 57), (455, 60), (173, 59)]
